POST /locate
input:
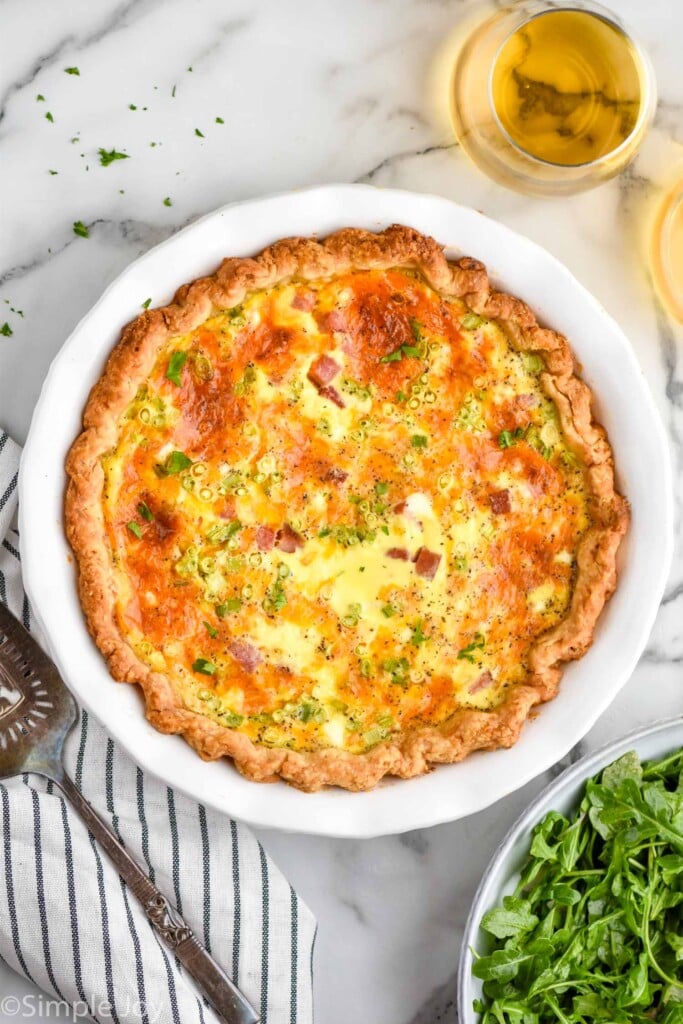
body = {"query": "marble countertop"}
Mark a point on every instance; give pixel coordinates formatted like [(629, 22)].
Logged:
[(311, 92)]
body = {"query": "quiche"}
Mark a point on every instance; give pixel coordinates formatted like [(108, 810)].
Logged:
[(342, 511)]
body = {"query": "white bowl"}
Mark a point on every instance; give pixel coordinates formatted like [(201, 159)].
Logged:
[(564, 795), (624, 405)]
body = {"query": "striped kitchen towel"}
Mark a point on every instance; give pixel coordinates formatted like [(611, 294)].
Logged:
[(68, 922)]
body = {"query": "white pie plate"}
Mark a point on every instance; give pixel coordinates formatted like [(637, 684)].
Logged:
[(624, 405), (651, 743)]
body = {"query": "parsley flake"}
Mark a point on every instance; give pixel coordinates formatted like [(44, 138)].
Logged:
[(49, 117), (211, 630), (109, 156), (146, 512), (167, 201), (417, 637), (135, 529), (175, 365), (203, 666), (6, 330), (71, 71), (175, 462), (146, 303), (200, 134), (80, 229), (418, 441), (467, 653)]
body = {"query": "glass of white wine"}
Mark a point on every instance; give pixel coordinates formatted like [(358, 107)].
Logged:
[(667, 251), (552, 96)]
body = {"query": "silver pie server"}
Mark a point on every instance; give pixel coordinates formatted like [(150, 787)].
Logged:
[(37, 713)]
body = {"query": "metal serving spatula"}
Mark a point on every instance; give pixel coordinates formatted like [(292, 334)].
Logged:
[(36, 714)]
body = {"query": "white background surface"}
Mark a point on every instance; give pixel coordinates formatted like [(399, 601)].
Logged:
[(309, 92)]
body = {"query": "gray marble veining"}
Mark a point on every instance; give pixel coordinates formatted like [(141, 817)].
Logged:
[(308, 93)]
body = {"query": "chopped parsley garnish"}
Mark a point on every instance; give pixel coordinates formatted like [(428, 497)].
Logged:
[(135, 530), (381, 487), (146, 512), (233, 604), (211, 630), (467, 653), (200, 134), (146, 304), (6, 330), (402, 352), (401, 397), (275, 598), (388, 611), (416, 329), (219, 120), (173, 92), (417, 637), (72, 71), (80, 229), (175, 462), (40, 98), (49, 117), (131, 106), (507, 438), (418, 441), (206, 668), (109, 156), (175, 365), (53, 172), (167, 201)]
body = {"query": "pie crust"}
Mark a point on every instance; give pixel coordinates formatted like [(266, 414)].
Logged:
[(418, 750)]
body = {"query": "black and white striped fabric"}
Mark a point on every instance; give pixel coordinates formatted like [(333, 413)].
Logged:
[(67, 921)]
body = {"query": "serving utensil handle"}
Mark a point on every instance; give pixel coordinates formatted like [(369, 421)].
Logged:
[(225, 998)]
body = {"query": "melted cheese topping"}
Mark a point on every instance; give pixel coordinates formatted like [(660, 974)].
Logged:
[(326, 564)]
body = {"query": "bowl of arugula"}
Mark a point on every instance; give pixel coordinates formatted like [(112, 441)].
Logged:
[(579, 916)]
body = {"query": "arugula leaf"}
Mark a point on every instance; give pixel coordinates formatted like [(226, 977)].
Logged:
[(594, 929)]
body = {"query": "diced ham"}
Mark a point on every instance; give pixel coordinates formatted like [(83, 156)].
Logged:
[(333, 395), (500, 501), (287, 539), (427, 563), (401, 553), (484, 680), (333, 321), (227, 509), (265, 538), (526, 401), (323, 370), (338, 475), (304, 299), (246, 654)]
